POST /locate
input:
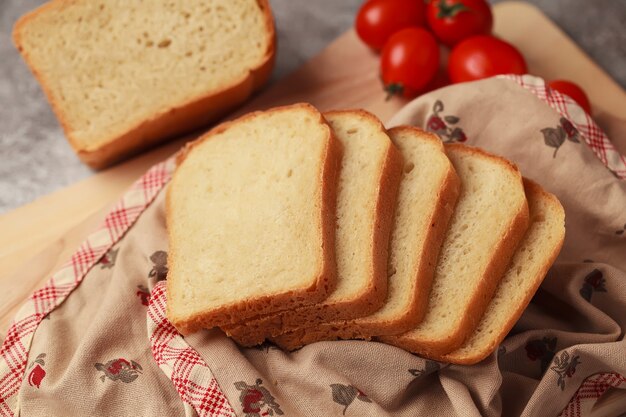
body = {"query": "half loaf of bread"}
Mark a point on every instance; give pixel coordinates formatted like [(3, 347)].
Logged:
[(123, 75)]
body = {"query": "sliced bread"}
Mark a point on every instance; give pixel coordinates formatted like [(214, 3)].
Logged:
[(251, 219), (122, 75), (489, 222), (371, 168), (529, 266), (426, 199)]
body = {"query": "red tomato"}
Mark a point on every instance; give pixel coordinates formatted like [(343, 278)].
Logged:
[(454, 20), (441, 78), (574, 91), (484, 56), (409, 61), (377, 20)]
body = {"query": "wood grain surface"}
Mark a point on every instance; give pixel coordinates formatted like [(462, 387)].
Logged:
[(38, 237)]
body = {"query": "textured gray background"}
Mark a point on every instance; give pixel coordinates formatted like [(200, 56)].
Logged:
[(35, 158)]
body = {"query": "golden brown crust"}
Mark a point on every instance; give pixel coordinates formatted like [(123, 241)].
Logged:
[(366, 329), (177, 120), (328, 185), (222, 127), (253, 332), (484, 154), (391, 175), (326, 278), (423, 135), (534, 192), (483, 293)]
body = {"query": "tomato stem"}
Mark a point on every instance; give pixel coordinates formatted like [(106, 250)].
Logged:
[(446, 10), (393, 89)]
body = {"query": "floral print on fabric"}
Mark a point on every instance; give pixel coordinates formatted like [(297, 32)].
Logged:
[(256, 400), (108, 260), (542, 350), (37, 373), (144, 295), (119, 370), (429, 368), (442, 125), (345, 394), (565, 367), (554, 137), (159, 270), (593, 282)]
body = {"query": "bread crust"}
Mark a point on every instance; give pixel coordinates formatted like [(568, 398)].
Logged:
[(173, 121), (376, 293), (255, 331), (433, 348), (533, 192), (366, 329), (327, 275)]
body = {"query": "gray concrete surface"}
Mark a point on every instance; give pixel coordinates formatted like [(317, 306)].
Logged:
[(36, 160)]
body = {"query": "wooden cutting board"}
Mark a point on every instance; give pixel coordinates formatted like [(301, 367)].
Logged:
[(36, 238)]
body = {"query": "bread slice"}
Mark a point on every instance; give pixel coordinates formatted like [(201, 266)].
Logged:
[(529, 266), (488, 224), (251, 219), (123, 75), (426, 200), (371, 168)]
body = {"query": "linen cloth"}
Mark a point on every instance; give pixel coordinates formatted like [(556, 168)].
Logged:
[(95, 340)]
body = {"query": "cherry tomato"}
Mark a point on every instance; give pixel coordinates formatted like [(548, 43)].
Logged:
[(574, 91), (409, 61), (484, 56), (439, 80), (377, 20), (454, 20)]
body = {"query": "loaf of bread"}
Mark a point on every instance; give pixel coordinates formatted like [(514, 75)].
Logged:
[(426, 201), (290, 226), (369, 177), (123, 75), (251, 219), (530, 264), (489, 222)]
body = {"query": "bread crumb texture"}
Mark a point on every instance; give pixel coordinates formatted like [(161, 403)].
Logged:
[(244, 213), (425, 168), (491, 196), (365, 147), (528, 267)]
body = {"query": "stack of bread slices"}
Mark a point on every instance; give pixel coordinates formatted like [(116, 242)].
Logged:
[(297, 227)]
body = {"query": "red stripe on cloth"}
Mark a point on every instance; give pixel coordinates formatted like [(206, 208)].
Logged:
[(592, 388), (14, 350), (591, 133), (190, 375)]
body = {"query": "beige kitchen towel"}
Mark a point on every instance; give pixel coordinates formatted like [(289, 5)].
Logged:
[(95, 341)]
